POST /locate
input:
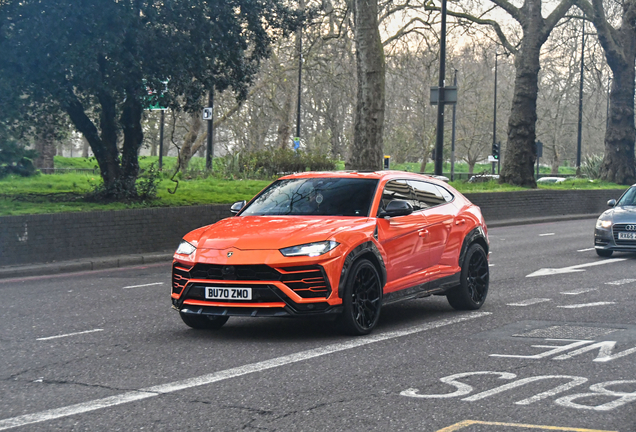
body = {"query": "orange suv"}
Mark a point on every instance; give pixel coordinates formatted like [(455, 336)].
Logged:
[(334, 243)]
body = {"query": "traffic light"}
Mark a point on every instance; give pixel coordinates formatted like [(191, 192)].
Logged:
[(495, 150)]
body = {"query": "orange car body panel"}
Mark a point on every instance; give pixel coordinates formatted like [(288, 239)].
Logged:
[(415, 248)]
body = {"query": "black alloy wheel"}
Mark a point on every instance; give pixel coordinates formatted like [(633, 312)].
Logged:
[(362, 299), (604, 253), (471, 293), (203, 322)]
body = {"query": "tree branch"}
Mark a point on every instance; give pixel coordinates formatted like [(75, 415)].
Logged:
[(508, 7), (403, 31), (556, 15)]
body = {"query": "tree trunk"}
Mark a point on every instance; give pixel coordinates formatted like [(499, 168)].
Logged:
[(133, 138), (520, 156), (46, 147), (618, 164), (284, 130), (85, 147), (367, 147), (188, 148)]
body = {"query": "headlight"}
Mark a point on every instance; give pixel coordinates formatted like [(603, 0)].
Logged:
[(603, 223), (310, 249), (185, 248)]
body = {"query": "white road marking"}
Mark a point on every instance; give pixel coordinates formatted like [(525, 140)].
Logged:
[(586, 250), (579, 291), (149, 392), (144, 285), (491, 265), (546, 234), (69, 334), (530, 302), (572, 269), (577, 306), (621, 282)]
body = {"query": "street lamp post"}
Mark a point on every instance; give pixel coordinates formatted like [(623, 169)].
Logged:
[(580, 129), (210, 143), (452, 177), (439, 145), (494, 116)]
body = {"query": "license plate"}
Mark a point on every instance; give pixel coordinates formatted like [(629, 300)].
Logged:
[(626, 236), (223, 293)]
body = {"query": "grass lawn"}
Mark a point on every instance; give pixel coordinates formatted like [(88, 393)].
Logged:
[(57, 193)]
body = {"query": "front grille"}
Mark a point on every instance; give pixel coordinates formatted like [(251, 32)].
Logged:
[(306, 281), (239, 272), (180, 277), (622, 228)]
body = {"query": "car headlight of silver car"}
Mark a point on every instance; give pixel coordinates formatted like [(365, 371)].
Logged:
[(603, 223), (309, 249), (185, 248)]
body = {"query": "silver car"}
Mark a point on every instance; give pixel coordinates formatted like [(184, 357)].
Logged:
[(616, 228)]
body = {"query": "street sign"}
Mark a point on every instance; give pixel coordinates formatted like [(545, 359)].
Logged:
[(207, 114), (450, 95), (296, 142), (387, 162), (491, 158)]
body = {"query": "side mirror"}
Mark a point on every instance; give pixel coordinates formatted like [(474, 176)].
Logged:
[(396, 208), (611, 203), (237, 206)]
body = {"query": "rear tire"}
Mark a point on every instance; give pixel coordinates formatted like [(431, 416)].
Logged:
[(362, 299), (471, 293), (604, 253), (203, 322)]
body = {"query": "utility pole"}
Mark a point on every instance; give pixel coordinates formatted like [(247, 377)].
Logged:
[(580, 130), (452, 177), (210, 152), (439, 145)]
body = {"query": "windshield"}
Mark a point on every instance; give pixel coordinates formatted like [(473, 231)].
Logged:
[(628, 198), (315, 197)]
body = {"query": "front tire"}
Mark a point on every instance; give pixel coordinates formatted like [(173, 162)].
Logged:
[(471, 293), (362, 299), (203, 322), (604, 253)]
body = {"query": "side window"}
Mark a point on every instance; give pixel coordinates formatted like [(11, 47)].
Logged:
[(446, 194), (396, 190), (426, 194)]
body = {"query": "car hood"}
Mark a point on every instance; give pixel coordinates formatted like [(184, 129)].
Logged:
[(623, 214), (271, 232)]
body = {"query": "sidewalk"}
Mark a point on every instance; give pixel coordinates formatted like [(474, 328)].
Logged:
[(101, 263)]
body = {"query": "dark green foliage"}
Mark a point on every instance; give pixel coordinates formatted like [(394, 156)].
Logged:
[(267, 164), (15, 159), (102, 62)]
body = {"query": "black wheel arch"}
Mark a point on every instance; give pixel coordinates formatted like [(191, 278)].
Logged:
[(366, 250), (477, 235)]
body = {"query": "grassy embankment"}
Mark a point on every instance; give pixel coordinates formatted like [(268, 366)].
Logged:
[(57, 193)]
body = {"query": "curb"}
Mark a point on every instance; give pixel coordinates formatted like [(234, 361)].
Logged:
[(103, 263)]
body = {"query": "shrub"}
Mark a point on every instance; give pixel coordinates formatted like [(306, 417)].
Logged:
[(591, 166), (15, 159)]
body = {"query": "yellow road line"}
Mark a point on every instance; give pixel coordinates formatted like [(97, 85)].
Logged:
[(463, 424)]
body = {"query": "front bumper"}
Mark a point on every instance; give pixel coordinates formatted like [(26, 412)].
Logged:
[(276, 291), (607, 239)]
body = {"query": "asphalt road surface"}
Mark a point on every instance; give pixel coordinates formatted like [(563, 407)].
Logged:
[(553, 348)]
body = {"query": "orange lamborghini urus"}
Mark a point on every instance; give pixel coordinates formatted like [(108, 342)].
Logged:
[(337, 243)]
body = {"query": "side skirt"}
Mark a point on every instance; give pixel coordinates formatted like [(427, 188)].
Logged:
[(437, 287)]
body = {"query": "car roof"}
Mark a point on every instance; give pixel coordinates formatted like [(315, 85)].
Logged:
[(378, 175)]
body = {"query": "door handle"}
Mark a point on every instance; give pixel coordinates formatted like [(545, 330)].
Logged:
[(460, 221), (423, 233)]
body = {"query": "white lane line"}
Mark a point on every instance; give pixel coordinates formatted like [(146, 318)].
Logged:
[(579, 291), (586, 250), (574, 268), (69, 334), (491, 265), (148, 392), (546, 234), (530, 302), (144, 285), (577, 306), (621, 282)]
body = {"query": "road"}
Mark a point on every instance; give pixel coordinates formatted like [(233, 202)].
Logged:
[(550, 350)]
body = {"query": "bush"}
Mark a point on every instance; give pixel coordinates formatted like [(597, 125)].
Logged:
[(591, 166), (267, 164), (15, 159)]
